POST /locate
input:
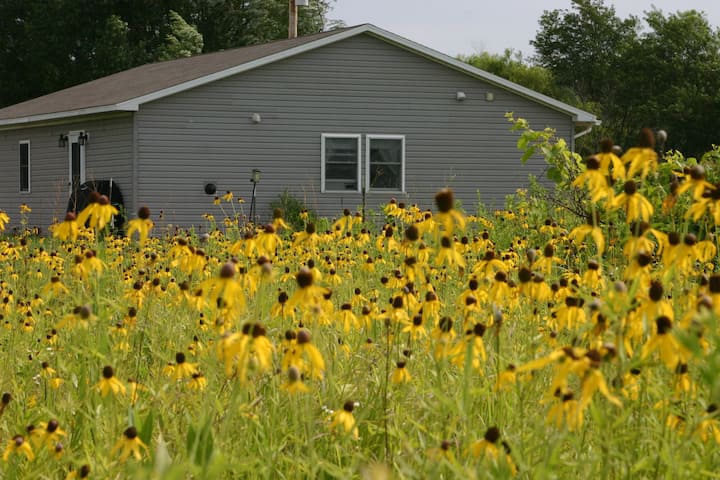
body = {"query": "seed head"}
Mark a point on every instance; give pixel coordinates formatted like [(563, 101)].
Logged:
[(606, 145), (444, 200), (664, 325), (647, 138), (592, 163), (630, 187), (144, 213), (304, 277), (492, 435)]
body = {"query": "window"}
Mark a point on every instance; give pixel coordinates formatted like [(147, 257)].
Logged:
[(25, 166), (385, 162), (340, 168)]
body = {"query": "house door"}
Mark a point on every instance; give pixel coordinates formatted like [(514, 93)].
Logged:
[(76, 156)]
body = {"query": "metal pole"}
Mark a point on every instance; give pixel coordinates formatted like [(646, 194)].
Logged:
[(252, 205)]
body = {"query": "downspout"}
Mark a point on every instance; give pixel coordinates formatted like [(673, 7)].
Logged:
[(583, 133), (580, 134)]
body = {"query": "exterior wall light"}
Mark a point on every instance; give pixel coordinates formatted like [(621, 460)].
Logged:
[(62, 140), (489, 96), (255, 176), (84, 138), (256, 118), (460, 96)]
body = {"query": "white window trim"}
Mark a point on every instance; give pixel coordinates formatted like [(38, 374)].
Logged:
[(29, 189), (358, 138), (370, 137), (74, 137)]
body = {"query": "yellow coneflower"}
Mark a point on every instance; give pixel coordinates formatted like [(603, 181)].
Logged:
[(671, 352), (66, 230), (565, 412), (109, 383), (443, 452), (55, 288), (487, 448), (443, 334), (447, 216), (197, 382), (305, 347), (181, 369), (709, 426), (49, 433), (4, 220), (488, 266), (636, 206), (642, 159), (142, 225), (50, 375), (18, 446), (294, 384), (400, 374), (344, 421), (224, 293), (97, 214), (278, 222), (696, 182), (82, 472), (307, 293), (594, 381), (129, 444), (507, 378), (595, 179), (610, 164)]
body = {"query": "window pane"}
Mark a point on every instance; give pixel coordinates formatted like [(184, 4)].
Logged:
[(386, 163), (341, 150), (24, 167), (385, 176), (385, 151), (341, 163)]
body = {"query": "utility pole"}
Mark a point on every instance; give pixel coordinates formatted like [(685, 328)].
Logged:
[(292, 24)]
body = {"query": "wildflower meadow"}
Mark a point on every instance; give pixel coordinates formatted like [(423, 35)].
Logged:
[(573, 334)]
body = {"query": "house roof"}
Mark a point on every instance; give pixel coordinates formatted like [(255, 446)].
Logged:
[(127, 90)]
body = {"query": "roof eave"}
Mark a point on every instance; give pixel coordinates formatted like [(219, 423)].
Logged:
[(24, 121)]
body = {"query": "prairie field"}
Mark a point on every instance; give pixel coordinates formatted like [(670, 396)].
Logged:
[(571, 335)]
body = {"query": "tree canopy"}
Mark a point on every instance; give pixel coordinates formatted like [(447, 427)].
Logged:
[(662, 72), (46, 46)]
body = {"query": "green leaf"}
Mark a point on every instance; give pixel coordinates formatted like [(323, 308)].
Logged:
[(146, 429), (528, 153), (162, 458), (554, 174), (200, 444)]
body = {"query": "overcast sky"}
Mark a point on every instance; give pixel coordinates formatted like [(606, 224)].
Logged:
[(468, 26)]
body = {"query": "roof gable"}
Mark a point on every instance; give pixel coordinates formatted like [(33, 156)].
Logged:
[(127, 90)]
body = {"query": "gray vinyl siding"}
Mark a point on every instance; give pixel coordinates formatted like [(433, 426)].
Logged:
[(107, 155), (361, 85)]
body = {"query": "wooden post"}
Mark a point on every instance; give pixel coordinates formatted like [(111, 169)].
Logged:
[(293, 20)]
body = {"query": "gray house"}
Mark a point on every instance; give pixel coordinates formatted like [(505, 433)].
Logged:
[(329, 117)]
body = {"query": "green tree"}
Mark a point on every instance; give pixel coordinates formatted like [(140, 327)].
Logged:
[(511, 66), (49, 45), (672, 81), (182, 41), (582, 46), (664, 75)]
